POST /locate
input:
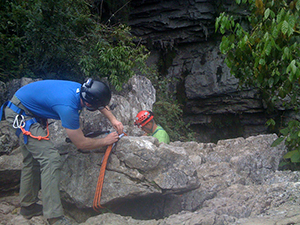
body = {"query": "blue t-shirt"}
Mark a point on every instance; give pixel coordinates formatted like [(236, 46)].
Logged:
[(53, 99)]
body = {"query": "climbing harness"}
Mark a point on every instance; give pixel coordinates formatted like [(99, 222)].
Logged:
[(21, 124), (28, 133), (97, 197)]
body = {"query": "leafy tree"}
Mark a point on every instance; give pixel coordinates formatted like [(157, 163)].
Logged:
[(262, 50), (63, 39)]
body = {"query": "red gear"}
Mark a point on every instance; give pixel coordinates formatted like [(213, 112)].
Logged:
[(142, 118)]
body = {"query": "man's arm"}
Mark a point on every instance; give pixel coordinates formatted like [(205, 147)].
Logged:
[(115, 123), (81, 142)]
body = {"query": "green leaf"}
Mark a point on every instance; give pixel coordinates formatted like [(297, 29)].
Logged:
[(298, 5), (295, 158), (285, 131), (280, 15), (266, 14), (291, 77), (271, 122), (290, 154), (262, 62), (268, 48), (277, 141), (285, 27), (291, 31), (271, 82), (286, 53), (281, 164), (275, 32)]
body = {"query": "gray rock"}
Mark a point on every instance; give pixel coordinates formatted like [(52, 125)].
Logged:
[(239, 183), (8, 138), (138, 168), (235, 181), (10, 171)]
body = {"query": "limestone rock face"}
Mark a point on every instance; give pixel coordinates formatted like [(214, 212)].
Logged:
[(234, 181), (167, 23), (183, 42)]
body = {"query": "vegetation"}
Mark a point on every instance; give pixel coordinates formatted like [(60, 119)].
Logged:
[(262, 49), (169, 111), (63, 39), (67, 39)]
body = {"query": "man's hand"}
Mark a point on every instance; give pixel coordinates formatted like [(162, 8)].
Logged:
[(111, 138), (118, 126), (115, 123), (86, 143)]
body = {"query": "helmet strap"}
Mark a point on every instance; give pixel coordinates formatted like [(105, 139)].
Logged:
[(149, 130), (90, 108)]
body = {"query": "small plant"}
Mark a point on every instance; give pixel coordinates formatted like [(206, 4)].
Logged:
[(291, 136)]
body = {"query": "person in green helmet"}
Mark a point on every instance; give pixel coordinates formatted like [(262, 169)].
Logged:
[(145, 120)]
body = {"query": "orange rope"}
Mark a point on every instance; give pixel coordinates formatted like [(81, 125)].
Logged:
[(28, 133), (97, 198)]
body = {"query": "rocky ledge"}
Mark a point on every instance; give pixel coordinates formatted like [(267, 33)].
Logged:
[(235, 181)]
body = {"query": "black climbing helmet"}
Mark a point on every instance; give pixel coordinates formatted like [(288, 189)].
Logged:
[(95, 93)]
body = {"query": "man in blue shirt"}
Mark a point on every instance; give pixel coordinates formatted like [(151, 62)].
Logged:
[(61, 100)]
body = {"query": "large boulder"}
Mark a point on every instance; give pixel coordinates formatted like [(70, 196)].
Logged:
[(138, 167), (231, 182)]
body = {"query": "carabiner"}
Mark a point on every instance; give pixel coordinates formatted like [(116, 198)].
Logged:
[(18, 123)]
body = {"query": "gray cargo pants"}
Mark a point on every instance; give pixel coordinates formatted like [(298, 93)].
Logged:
[(41, 167)]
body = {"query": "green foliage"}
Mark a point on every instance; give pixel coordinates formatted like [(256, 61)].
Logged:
[(266, 55), (116, 55), (170, 118), (167, 109), (291, 136), (62, 39), (168, 112)]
